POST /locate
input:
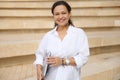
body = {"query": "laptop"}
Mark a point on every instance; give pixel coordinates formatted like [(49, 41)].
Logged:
[(46, 66)]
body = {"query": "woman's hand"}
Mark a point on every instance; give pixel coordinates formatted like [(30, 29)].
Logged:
[(54, 61)]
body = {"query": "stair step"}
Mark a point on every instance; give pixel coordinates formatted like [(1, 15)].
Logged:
[(40, 22), (47, 13), (48, 3), (27, 43), (102, 65)]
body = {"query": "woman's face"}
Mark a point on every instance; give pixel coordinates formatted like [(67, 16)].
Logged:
[(61, 15)]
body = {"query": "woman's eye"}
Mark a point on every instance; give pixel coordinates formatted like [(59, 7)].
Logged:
[(56, 14), (64, 13)]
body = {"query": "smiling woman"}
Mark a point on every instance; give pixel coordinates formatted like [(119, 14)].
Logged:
[(67, 44), (61, 16), (65, 10)]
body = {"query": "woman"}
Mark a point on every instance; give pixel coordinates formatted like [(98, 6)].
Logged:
[(67, 44)]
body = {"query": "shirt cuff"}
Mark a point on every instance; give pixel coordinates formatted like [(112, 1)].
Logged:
[(39, 60), (78, 61)]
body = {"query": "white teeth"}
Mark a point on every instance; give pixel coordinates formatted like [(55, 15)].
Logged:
[(61, 20)]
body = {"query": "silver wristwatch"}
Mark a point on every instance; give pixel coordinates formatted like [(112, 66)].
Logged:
[(67, 61)]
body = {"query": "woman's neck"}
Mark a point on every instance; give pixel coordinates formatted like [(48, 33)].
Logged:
[(62, 28), (62, 31)]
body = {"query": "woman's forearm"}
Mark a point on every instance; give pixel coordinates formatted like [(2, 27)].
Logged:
[(39, 72), (72, 61)]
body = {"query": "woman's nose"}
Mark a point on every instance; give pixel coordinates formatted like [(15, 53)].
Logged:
[(60, 16)]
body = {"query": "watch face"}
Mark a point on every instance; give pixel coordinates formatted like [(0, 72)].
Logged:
[(67, 61)]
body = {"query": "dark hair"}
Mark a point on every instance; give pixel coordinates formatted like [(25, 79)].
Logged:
[(62, 3)]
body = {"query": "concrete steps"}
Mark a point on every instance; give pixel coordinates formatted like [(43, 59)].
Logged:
[(104, 66), (35, 14), (23, 24)]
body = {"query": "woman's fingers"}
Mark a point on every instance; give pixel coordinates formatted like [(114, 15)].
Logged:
[(54, 61), (50, 60)]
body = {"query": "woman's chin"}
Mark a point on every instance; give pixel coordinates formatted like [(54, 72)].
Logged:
[(62, 24)]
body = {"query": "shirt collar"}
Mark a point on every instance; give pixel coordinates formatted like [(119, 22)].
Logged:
[(68, 31)]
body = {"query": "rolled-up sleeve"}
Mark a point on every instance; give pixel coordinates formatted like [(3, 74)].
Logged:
[(39, 58), (40, 52), (82, 56)]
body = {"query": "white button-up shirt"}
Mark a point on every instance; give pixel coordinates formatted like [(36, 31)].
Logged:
[(74, 44)]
